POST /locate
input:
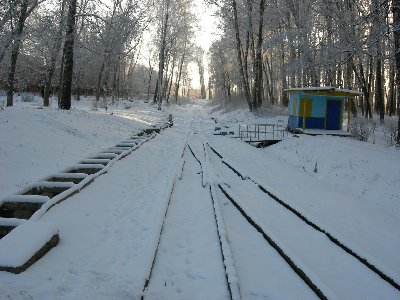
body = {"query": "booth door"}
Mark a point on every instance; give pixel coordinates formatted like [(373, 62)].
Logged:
[(305, 111), (333, 110)]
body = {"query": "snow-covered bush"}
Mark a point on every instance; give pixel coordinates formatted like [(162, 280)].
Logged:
[(127, 105), (102, 103), (363, 129), (94, 104), (268, 110), (390, 132), (27, 97)]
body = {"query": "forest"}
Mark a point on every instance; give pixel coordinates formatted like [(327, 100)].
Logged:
[(127, 48)]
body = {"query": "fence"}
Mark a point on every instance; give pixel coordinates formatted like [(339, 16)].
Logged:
[(262, 132)]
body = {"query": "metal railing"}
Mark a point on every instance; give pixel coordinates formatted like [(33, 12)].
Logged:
[(262, 132)]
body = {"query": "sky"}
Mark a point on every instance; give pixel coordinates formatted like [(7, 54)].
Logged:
[(205, 35), (207, 32)]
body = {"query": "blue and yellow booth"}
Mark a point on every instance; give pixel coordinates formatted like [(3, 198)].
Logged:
[(318, 107)]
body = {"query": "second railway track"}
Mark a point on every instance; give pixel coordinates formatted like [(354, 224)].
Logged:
[(328, 268)]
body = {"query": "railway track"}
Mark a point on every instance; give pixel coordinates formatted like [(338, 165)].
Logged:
[(261, 246), (190, 256), (257, 261), (281, 226)]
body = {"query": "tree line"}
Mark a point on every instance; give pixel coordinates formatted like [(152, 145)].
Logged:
[(116, 48), (266, 47)]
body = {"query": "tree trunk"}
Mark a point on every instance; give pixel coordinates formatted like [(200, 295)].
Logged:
[(54, 54), (202, 85), (391, 91), (376, 35), (100, 80), (243, 80), (161, 56), (396, 23), (368, 109), (15, 52), (155, 93), (379, 91), (66, 89), (257, 64), (365, 86), (178, 80), (171, 77), (210, 94), (284, 97), (269, 80), (150, 77)]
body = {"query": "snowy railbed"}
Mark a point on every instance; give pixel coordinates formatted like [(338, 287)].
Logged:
[(362, 227), (110, 229)]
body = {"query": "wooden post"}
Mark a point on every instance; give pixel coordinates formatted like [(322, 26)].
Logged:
[(304, 114)]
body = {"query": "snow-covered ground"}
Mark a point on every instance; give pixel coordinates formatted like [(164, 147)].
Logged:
[(370, 172), (109, 231), (36, 142)]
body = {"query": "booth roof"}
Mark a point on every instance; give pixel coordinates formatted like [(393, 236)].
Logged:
[(325, 90)]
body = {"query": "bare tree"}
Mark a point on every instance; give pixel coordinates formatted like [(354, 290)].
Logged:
[(199, 58), (54, 53), (396, 28), (161, 56), (68, 57), (23, 10)]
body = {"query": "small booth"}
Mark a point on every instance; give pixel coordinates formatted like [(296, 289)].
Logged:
[(318, 107)]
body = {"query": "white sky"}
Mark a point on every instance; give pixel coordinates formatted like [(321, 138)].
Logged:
[(205, 35), (207, 25)]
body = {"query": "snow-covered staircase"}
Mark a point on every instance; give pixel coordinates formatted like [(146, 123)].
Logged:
[(24, 239)]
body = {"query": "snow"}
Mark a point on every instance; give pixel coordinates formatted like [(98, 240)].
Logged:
[(11, 222), (267, 278), (325, 88), (104, 156), (27, 239), (367, 228), (50, 184), (95, 160), (109, 229), (181, 272), (69, 175), (368, 172), (226, 249), (84, 166), (24, 198)]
